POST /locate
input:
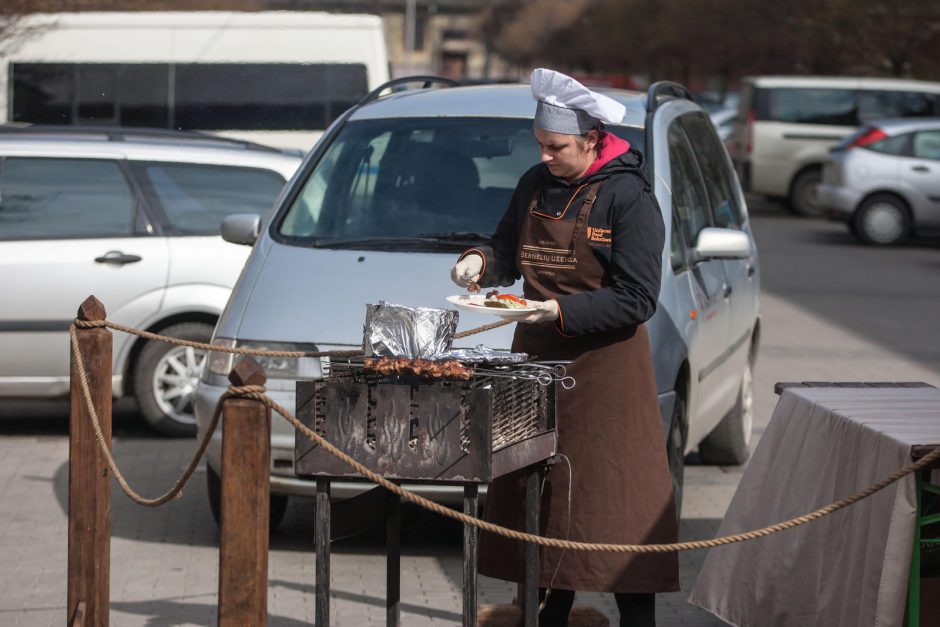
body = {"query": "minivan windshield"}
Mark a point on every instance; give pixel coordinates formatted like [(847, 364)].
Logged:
[(417, 183)]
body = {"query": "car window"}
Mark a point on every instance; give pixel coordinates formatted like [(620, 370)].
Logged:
[(715, 170), (897, 145), (676, 247), (810, 106), (927, 145), (689, 199), (873, 104), (407, 177), (246, 96), (497, 171), (64, 198), (196, 197)]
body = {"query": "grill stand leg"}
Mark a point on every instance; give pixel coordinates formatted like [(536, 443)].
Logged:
[(470, 536), (532, 550), (322, 531), (392, 560)]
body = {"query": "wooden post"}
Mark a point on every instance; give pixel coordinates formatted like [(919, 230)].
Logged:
[(322, 529), (470, 556), (243, 542), (89, 558), (392, 559)]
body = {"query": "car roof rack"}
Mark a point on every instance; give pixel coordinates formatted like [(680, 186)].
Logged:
[(664, 91), (403, 80), (124, 133)]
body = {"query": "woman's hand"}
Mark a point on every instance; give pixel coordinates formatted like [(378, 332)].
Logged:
[(466, 272), (545, 311)]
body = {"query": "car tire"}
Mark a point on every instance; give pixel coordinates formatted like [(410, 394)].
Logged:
[(164, 378), (279, 502), (804, 193), (675, 452), (882, 220), (728, 443)]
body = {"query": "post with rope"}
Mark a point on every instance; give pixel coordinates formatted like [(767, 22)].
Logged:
[(243, 541), (89, 561)]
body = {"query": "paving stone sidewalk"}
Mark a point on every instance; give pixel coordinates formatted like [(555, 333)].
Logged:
[(164, 561)]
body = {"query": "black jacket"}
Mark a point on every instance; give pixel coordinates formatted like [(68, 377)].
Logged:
[(632, 261)]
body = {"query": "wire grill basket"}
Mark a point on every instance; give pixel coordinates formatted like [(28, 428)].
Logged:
[(430, 430)]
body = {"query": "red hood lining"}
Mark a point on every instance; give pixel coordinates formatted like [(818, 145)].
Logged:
[(611, 147)]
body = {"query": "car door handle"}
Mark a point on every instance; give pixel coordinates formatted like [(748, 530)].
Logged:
[(117, 258), (920, 168), (727, 291), (750, 271)]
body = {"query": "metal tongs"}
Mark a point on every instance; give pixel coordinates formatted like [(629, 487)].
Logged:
[(543, 374), (472, 287)]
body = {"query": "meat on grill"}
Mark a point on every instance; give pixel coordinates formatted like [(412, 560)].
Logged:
[(447, 369)]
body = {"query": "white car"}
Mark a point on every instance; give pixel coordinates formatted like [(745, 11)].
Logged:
[(132, 217)]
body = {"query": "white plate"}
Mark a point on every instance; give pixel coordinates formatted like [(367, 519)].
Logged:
[(474, 303)]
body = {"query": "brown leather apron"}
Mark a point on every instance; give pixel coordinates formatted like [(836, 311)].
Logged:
[(609, 430)]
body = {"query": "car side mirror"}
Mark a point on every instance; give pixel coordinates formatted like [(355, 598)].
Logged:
[(241, 228), (713, 243)]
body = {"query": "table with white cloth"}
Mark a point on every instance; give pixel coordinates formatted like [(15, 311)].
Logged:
[(849, 568)]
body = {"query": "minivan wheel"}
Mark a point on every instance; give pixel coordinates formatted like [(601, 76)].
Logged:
[(728, 444), (675, 452), (165, 376), (214, 486), (882, 220), (804, 193)]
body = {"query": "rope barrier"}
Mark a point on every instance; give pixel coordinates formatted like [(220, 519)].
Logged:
[(177, 488), (257, 393), (98, 324)]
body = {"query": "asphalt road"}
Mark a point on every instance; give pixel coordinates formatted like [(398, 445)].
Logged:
[(832, 309), (889, 295)]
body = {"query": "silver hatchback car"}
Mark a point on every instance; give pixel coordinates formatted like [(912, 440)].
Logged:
[(884, 180), (401, 184)]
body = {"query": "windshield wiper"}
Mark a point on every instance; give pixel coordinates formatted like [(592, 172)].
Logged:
[(457, 236), (390, 243)]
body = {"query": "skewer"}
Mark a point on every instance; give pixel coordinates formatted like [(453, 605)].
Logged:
[(543, 374), (545, 377)]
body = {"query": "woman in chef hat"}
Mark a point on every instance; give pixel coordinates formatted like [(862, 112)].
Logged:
[(585, 233)]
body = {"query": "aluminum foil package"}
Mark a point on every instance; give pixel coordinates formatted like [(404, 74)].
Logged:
[(482, 354), (411, 332)]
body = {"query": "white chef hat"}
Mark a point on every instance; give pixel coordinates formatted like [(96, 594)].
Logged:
[(566, 106)]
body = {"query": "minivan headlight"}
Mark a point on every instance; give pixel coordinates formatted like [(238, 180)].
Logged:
[(274, 367)]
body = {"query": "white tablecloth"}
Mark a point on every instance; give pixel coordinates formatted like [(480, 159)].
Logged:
[(849, 569)]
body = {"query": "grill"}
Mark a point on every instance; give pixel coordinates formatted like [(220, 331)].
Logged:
[(408, 428)]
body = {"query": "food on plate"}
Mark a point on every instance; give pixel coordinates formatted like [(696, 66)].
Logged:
[(445, 369), (504, 301)]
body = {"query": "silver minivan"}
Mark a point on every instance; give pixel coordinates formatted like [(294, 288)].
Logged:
[(401, 184)]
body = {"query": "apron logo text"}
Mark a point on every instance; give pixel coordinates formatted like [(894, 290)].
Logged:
[(599, 235)]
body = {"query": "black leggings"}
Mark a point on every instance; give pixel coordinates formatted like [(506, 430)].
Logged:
[(636, 610)]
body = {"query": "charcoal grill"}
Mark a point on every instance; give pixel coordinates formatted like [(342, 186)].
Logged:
[(415, 430)]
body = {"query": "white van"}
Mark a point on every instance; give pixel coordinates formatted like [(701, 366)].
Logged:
[(272, 77), (786, 125)]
